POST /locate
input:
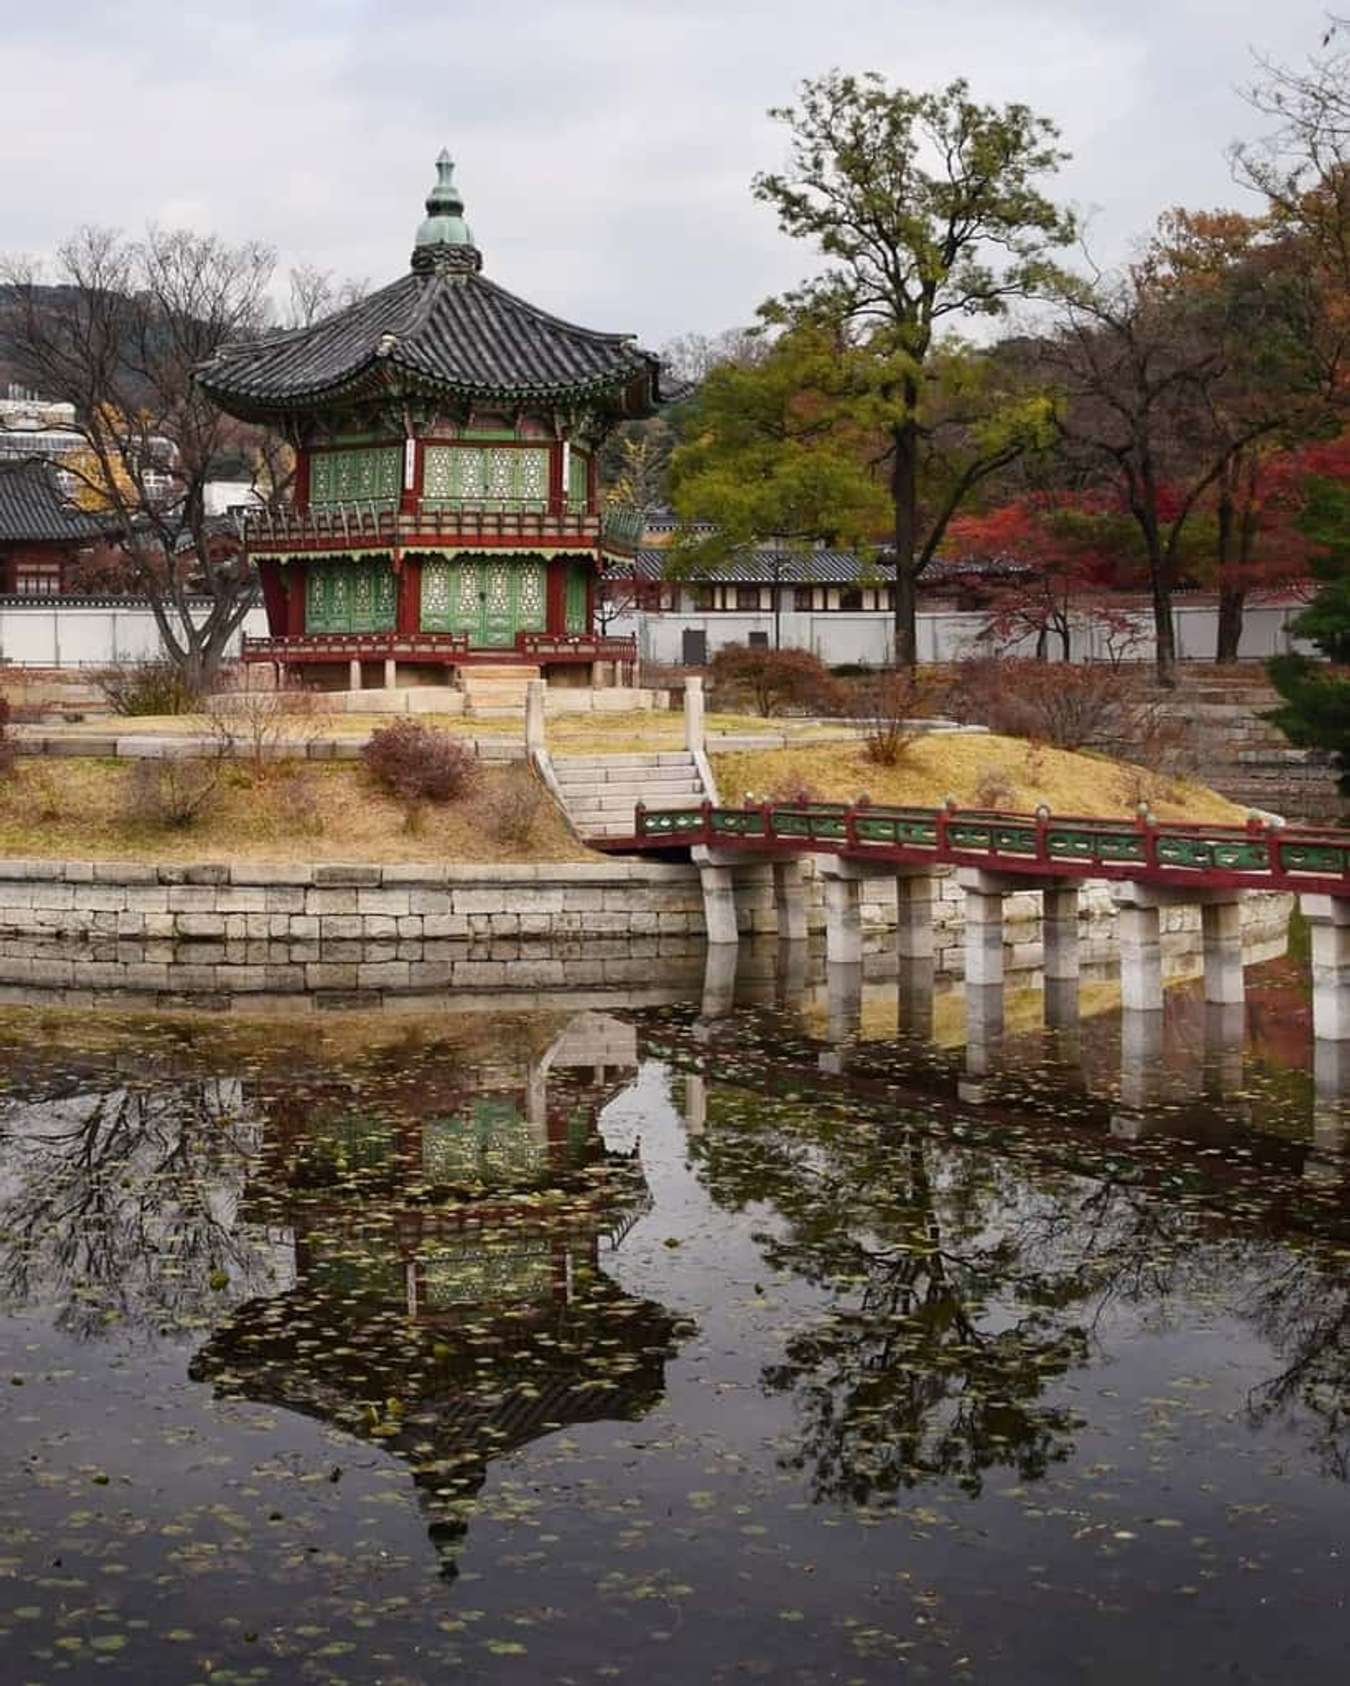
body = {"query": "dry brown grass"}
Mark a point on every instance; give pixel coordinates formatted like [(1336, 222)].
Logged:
[(958, 764), (321, 811)]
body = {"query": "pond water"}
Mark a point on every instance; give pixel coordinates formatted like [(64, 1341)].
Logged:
[(820, 1336)]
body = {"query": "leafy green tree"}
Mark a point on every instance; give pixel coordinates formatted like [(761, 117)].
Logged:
[(1316, 708), (926, 208)]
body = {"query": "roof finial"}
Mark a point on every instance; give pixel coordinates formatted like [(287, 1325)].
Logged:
[(444, 239)]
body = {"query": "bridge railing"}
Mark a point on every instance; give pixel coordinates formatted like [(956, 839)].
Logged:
[(1070, 845)]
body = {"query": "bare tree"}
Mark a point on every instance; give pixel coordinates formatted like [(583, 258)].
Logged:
[(120, 340)]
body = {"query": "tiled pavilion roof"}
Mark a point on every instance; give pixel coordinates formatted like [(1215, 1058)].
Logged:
[(443, 329)]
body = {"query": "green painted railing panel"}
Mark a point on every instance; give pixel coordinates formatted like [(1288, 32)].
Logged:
[(362, 476), (350, 597), (488, 477)]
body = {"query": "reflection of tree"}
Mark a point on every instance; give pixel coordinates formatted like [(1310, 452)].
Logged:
[(120, 1203), (963, 1285)]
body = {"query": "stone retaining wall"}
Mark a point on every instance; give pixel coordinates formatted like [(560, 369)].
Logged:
[(223, 930)]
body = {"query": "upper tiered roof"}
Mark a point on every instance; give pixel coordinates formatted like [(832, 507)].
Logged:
[(444, 330)]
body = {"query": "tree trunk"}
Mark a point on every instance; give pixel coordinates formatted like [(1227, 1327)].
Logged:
[(1164, 631), (1230, 596), (904, 483), (1232, 605)]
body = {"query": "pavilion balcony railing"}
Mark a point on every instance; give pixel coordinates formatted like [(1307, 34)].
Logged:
[(343, 646), (371, 524), (576, 646)]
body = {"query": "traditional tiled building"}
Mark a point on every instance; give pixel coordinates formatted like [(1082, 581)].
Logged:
[(446, 510), (41, 536)]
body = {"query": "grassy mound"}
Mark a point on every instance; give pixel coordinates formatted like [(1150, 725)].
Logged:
[(70, 808), (981, 771)]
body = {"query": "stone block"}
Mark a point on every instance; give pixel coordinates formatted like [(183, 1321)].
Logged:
[(285, 980), (247, 980), (61, 897), (330, 901), (300, 926), (78, 872), (130, 924), (479, 974), (241, 898), (410, 925), (482, 901), (208, 872), (192, 898), (413, 873), (191, 953), (340, 925), (147, 975), (363, 877), (125, 872), (279, 898), (389, 902), (343, 948), (430, 974), (194, 980), (430, 901), (445, 925), (272, 874), (160, 924), (379, 925), (326, 975), (387, 974), (17, 870), (236, 927), (200, 925)]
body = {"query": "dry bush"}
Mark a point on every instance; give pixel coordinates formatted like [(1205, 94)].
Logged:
[(514, 808), (174, 792), (1065, 704), (894, 701), (996, 789), (417, 764), (792, 792), (773, 681), (266, 722), (153, 686)]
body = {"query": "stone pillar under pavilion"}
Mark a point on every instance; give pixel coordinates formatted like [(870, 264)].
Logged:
[(446, 510)]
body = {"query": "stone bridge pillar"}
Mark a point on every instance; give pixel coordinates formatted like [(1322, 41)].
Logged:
[(1138, 907), (1329, 919)]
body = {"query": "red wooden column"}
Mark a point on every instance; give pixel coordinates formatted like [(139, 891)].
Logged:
[(555, 612), (273, 584), (295, 599), (300, 490), (409, 614)]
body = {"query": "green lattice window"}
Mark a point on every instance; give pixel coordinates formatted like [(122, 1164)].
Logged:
[(350, 597), (490, 598), (491, 477), (577, 478), (575, 602), (356, 476)]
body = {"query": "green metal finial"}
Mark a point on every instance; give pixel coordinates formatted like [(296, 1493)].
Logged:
[(445, 224)]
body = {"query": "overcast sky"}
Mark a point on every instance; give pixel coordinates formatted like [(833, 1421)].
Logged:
[(604, 147)]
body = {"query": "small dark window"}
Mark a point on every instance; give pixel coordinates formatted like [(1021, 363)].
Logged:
[(758, 640), (851, 597), (705, 599), (747, 597), (801, 599)]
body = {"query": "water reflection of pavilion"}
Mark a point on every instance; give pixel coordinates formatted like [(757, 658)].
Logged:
[(448, 1228)]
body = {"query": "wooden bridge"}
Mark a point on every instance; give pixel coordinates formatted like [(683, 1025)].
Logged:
[(1151, 866)]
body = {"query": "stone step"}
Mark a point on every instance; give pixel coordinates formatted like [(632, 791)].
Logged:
[(651, 759), (665, 797), (624, 775)]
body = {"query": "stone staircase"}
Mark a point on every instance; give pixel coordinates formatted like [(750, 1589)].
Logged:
[(495, 690), (601, 791)]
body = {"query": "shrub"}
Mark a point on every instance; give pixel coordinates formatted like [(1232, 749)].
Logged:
[(266, 722), (773, 681), (514, 808), (995, 789), (154, 686), (1065, 704), (893, 702), (417, 764), (174, 792)]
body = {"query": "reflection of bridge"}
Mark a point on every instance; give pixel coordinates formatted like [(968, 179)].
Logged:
[(1145, 1127), (1151, 867)]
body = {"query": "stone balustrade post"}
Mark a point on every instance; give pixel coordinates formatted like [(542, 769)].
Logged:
[(354, 674), (694, 731), (390, 674), (535, 729)]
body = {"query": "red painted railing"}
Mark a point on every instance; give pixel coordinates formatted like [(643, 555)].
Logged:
[(1256, 856), (576, 646), (342, 646), (372, 524)]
